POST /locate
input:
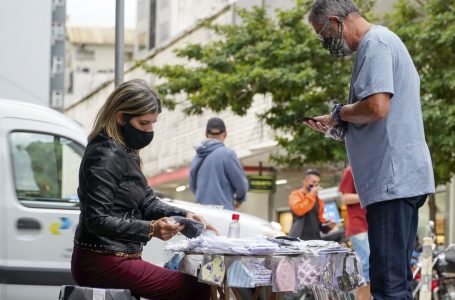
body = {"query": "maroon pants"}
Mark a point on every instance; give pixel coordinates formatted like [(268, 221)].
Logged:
[(142, 278)]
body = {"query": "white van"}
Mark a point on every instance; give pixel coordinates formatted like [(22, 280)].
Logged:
[(40, 153)]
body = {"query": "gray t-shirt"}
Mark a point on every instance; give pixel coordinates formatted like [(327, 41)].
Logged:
[(390, 158)]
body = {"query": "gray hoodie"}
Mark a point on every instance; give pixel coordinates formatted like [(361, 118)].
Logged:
[(220, 179)]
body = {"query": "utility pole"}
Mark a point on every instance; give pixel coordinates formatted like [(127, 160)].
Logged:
[(119, 40)]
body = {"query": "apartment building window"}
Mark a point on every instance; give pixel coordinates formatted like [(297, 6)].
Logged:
[(164, 31), (59, 3), (141, 41), (163, 3), (82, 53), (142, 11), (58, 65), (58, 31), (57, 99), (152, 25)]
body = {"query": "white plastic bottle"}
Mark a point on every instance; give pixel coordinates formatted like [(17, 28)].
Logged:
[(234, 227)]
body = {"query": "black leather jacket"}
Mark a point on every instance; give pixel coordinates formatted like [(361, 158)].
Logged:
[(116, 202)]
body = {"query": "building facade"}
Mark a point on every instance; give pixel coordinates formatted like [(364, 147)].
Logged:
[(90, 57), (160, 20), (32, 56)]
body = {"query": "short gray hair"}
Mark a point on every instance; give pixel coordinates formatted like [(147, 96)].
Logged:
[(321, 10)]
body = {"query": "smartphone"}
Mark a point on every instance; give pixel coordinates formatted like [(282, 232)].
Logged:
[(303, 119), (336, 222)]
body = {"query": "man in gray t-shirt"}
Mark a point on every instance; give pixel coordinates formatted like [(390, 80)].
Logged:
[(383, 130)]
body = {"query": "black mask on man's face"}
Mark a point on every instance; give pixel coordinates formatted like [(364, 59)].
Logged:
[(336, 44), (135, 138)]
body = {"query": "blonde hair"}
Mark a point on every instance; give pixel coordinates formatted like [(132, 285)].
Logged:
[(132, 98)]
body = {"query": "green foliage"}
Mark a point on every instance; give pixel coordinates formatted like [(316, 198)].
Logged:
[(281, 57), (427, 29)]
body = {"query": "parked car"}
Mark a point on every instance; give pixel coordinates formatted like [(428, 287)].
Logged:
[(40, 154)]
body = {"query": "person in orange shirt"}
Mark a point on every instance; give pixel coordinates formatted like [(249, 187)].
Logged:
[(308, 209)]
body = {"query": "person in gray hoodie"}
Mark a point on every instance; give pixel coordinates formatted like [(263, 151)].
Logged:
[(216, 176)]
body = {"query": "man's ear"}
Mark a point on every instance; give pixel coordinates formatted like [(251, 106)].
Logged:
[(336, 19), (334, 22), (120, 118)]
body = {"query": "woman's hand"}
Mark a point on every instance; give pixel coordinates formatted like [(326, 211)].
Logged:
[(200, 219), (166, 228)]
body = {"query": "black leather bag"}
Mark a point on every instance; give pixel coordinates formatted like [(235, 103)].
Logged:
[(348, 282)]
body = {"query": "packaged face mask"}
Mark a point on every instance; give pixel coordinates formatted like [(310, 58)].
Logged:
[(239, 276), (349, 281), (192, 228), (190, 264), (284, 279), (213, 270), (308, 271), (174, 262)]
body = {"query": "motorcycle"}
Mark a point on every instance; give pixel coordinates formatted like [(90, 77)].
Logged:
[(443, 271)]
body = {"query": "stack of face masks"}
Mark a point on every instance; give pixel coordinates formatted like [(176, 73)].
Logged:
[(212, 244)]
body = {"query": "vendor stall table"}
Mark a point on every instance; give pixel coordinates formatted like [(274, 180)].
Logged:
[(226, 273)]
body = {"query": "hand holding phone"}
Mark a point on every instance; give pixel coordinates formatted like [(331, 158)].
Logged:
[(314, 189), (304, 119)]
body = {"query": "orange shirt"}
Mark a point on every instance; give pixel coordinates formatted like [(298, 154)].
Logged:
[(301, 203)]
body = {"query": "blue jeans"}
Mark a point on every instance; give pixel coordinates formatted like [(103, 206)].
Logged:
[(392, 228), (362, 248)]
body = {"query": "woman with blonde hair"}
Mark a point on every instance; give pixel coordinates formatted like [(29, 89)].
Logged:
[(119, 212)]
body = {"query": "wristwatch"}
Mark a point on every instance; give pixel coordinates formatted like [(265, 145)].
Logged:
[(336, 113)]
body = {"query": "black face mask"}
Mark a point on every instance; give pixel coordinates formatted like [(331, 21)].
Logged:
[(135, 138), (336, 44)]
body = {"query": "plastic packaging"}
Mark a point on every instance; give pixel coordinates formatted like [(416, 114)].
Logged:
[(284, 276), (234, 227), (213, 270), (337, 133), (248, 272)]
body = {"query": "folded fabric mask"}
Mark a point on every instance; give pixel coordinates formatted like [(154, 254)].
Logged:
[(192, 228), (285, 276)]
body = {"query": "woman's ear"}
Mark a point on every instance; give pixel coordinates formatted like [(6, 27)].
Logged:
[(120, 118)]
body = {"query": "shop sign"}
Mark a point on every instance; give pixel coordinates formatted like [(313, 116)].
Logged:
[(261, 183)]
